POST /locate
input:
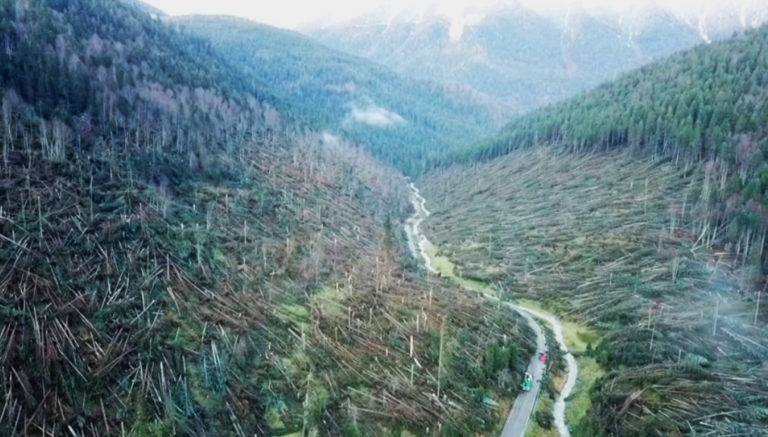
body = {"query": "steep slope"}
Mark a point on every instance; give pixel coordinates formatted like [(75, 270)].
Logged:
[(524, 58), (177, 259), (705, 105), (637, 209), (403, 121), (615, 242)]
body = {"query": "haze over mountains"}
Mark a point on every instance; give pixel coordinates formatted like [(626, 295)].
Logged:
[(525, 57)]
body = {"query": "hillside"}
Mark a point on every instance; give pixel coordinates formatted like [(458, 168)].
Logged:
[(524, 58), (405, 122), (636, 209), (615, 243), (706, 105), (181, 254)]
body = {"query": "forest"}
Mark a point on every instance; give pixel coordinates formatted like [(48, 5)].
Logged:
[(182, 254), (668, 325), (202, 233)]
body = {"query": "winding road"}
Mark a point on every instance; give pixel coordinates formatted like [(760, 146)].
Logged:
[(522, 410)]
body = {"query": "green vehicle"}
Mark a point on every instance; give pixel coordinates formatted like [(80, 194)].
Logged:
[(527, 382)]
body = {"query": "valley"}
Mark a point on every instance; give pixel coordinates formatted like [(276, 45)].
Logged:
[(523, 55), (183, 255), (519, 223), (523, 407)]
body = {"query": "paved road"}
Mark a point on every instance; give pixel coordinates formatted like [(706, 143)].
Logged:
[(522, 409), (573, 370), (520, 415)]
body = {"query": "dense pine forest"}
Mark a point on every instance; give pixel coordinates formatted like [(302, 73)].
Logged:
[(182, 254)]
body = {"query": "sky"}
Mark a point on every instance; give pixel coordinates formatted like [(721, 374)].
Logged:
[(294, 14)]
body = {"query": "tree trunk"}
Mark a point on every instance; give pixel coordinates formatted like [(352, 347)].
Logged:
[(440, 357)]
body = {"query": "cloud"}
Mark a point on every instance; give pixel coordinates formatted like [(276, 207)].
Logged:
[(330, 139), (373, 115)]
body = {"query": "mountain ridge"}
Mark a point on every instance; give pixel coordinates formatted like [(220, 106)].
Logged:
[(537, 67), (638, 208)]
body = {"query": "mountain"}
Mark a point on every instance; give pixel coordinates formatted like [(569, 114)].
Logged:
[(636, 210), (183, 254), (703, 106), (403, 121), (202, 230), (524, 58)]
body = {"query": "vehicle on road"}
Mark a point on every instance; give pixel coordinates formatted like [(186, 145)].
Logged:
[(527, 382)]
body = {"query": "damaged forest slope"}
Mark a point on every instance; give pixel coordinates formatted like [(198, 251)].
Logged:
[(180, 257)]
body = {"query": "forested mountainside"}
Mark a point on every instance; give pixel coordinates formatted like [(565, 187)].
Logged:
[(619, 244), (637, 209), (525, 59), (405, 122), (181, 255), (705, 107), (86, 83)]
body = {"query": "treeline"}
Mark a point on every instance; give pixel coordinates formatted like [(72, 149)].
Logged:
[(706, 105)]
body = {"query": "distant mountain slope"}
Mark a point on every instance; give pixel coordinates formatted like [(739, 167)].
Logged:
[(704, 105), (180, 254), (525, 59), (108, 70), (401, 120)]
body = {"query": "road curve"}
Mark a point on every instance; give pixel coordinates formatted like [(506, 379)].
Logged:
[(522, 410)]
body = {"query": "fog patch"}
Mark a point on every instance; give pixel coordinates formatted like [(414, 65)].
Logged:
[(373, 115), (330, 139)]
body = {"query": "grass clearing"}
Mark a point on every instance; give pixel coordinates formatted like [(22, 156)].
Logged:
[(579, 403), (577, 335), (541, 424), (329, 301), (295, 314)]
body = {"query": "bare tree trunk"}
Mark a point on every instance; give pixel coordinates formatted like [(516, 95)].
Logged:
[(757, 304), (6, 111), (440, 357), (44, 143), (645, 197)]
